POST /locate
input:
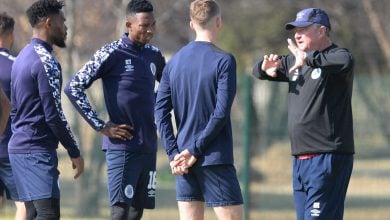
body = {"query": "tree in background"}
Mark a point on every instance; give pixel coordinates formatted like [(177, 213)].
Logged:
[(251, 28)]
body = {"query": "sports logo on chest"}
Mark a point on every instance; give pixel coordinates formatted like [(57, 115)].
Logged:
[(316, 73), (128, 66), (153, 68)]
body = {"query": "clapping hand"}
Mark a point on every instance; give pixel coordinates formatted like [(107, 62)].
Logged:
[(270, 64)]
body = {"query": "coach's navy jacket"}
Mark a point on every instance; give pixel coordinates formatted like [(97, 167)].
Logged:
[(319, 101), (128, 72), (38, 122)]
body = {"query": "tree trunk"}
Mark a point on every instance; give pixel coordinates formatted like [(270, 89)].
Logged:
[(88, 188), (377, 29)]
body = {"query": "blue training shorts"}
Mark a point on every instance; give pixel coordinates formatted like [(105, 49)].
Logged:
[(131, 178), (7, 181), (320, 185), (217, 185), (36, 175)]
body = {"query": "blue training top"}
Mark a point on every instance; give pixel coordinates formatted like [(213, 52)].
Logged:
[(38, 122), (6, 61), (199, 83), (128, 72)]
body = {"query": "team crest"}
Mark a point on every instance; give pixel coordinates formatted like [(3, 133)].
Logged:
[(129, 191), (316, 73), (153, 68)]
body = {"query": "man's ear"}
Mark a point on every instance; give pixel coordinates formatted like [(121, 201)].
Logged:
[(323, 30), (128, 24), (48, 21), (192, 25), (219, 22)]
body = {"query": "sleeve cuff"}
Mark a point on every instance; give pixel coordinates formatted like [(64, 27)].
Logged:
[(100, 125), (256, 69), (172, 154), (195, 151), (74, 153)]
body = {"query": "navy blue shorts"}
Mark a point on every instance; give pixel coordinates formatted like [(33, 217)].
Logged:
[(217, 185), (320, 186), (131, 178), (7, 181), (36, 175)]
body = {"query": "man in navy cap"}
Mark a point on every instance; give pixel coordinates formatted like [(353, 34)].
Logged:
[(320, 78)]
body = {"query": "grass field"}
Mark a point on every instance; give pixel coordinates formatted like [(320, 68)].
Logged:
[(271, 198)]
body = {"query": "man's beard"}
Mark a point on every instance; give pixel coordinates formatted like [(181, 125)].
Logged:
[(59, 42)]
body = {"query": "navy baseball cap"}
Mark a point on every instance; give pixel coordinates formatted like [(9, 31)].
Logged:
[(309, 16)]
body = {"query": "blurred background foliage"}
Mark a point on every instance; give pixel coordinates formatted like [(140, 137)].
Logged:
[(251, 29)]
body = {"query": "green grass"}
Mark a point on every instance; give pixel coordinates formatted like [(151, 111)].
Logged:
[(271, 198)]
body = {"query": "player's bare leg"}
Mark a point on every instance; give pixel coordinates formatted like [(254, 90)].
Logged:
[(193, 210), (20, 211), (229, 212)]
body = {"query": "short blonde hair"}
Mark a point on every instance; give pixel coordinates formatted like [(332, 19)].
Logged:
[(202, 11)]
